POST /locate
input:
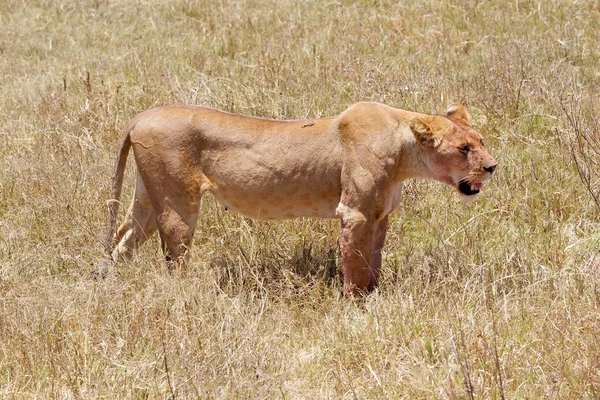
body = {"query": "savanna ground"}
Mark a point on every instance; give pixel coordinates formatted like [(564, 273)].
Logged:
[(497, 299)]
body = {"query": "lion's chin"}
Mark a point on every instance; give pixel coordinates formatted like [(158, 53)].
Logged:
[(469, 198)]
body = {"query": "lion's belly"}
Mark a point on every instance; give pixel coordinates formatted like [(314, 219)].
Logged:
[(275, 178), (279, 204)]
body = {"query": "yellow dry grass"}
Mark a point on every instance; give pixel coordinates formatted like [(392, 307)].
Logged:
[(498, 299)]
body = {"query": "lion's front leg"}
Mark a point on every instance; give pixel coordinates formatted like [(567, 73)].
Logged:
[(376, 256), (356, 244)]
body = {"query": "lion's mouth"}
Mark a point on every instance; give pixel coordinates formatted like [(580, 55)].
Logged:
[(469, 189)]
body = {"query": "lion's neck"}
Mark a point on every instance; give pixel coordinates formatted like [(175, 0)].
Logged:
[(411, 160)]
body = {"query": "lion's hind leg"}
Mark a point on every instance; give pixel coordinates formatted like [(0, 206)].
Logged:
[(176, 229), (138, 226)]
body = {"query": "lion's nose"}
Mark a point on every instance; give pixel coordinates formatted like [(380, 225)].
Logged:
[(490, 168)]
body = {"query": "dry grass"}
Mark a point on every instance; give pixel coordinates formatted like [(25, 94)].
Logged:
[(498, 299)]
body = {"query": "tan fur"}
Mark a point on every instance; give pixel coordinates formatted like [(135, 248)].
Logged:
[(350, 167)]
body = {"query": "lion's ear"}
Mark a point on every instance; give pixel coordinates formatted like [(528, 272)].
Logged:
[(423, 133), (459, 113)]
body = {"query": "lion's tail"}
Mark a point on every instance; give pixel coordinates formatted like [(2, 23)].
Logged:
[(117, 183)]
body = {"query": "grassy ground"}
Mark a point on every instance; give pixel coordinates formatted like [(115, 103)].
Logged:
[(498, 299)]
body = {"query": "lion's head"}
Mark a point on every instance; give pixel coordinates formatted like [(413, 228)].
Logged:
[(454, 152)]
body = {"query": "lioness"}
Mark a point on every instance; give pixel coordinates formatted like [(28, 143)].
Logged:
[(351, 166)]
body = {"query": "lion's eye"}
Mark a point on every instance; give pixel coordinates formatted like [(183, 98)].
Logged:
[(464, 149)]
